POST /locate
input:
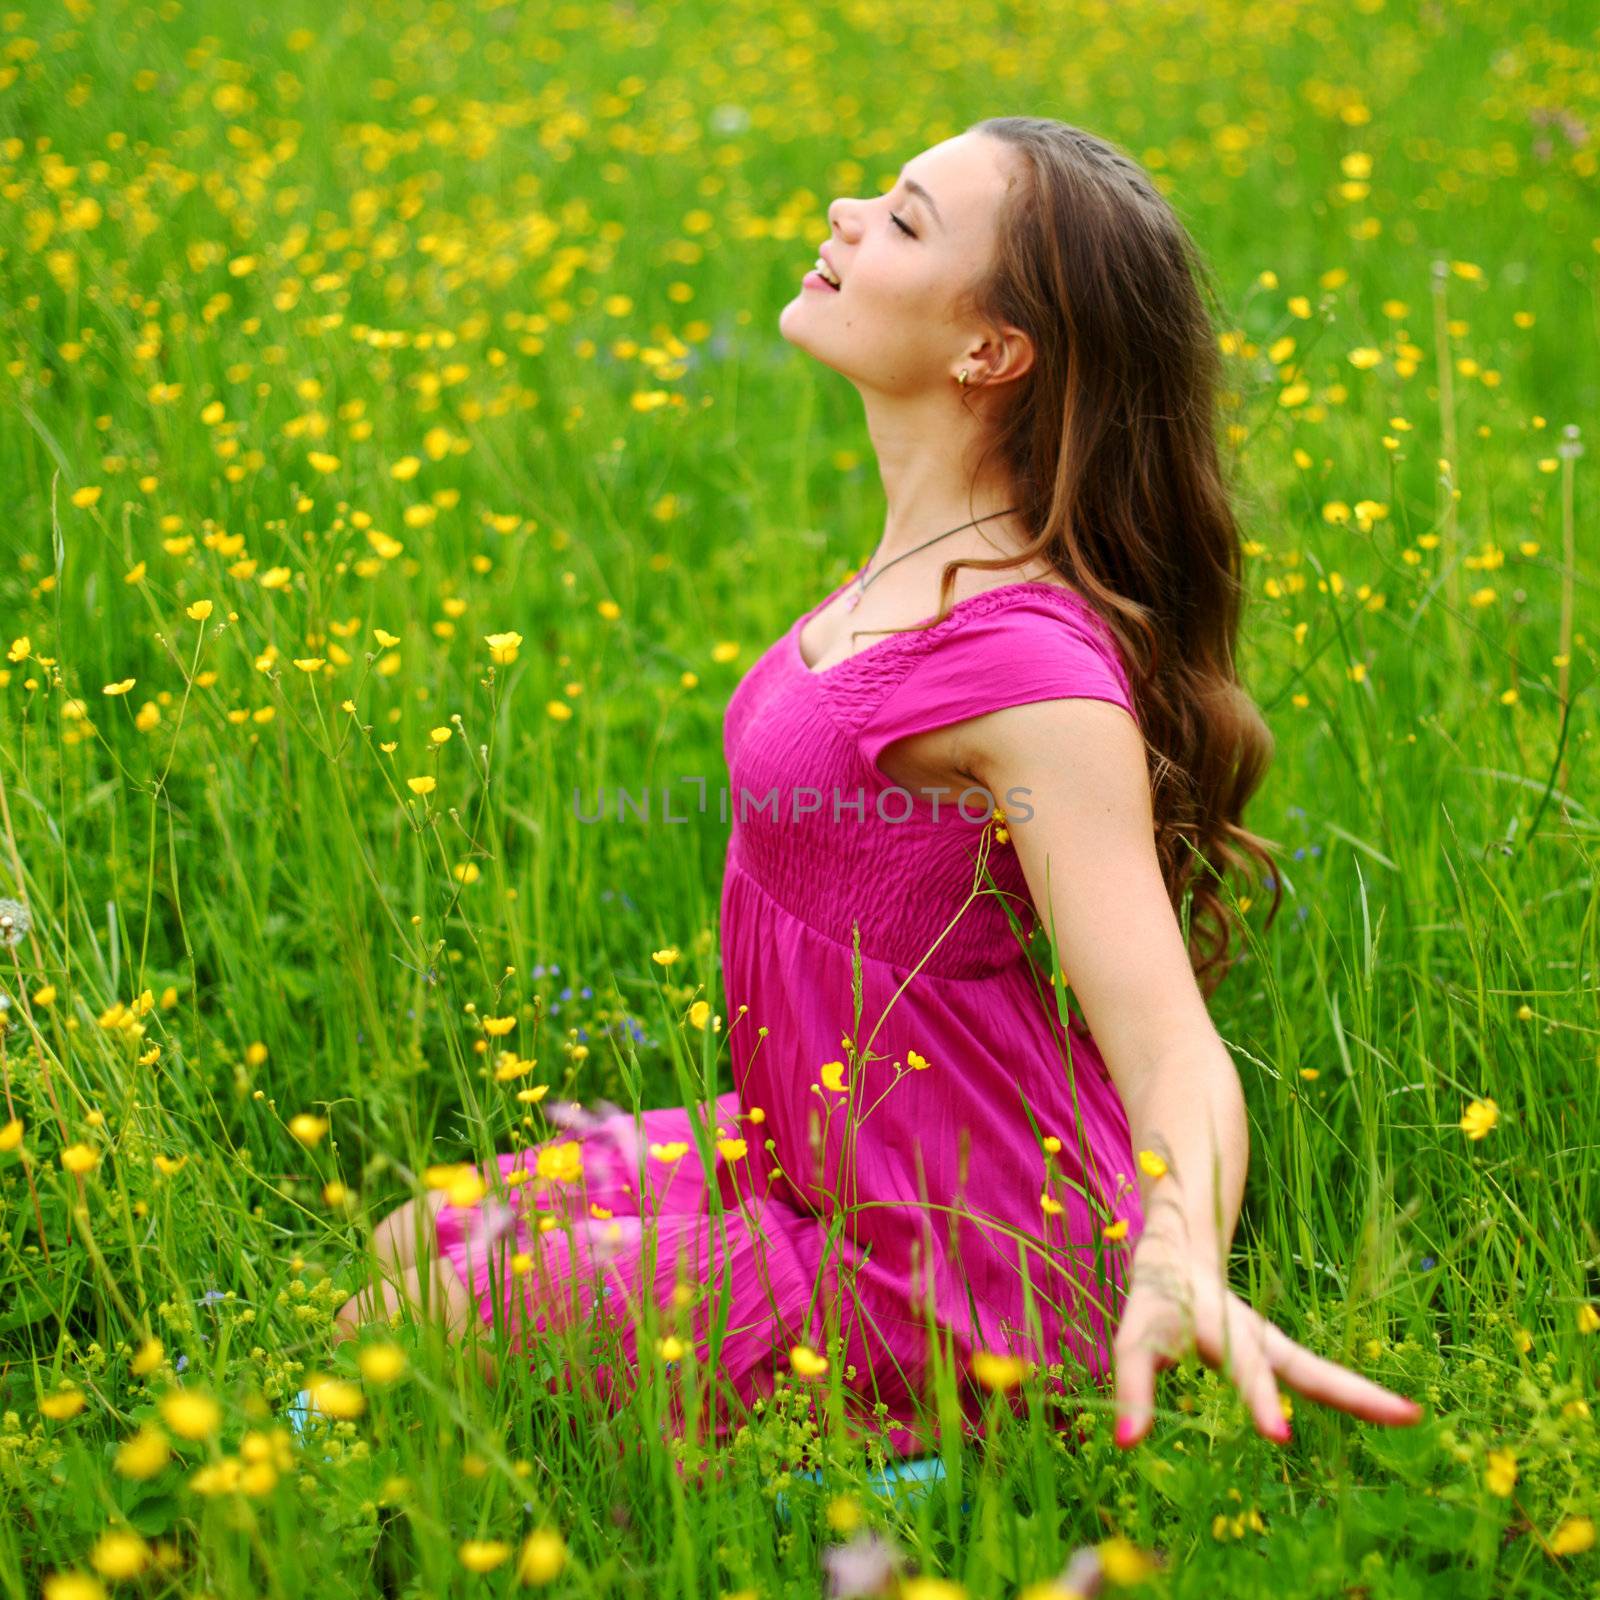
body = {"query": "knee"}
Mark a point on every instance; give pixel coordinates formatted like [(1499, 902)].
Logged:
[(395, 1240), (347, 1319)]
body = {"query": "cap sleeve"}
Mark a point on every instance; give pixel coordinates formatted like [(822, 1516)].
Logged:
[(1026, 650)]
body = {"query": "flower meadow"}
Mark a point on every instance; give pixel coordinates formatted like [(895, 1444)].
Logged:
[(397, 440)]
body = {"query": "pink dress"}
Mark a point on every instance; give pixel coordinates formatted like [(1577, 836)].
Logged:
[(894, 1194)]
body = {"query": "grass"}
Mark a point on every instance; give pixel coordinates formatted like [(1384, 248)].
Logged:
[(385, 330)]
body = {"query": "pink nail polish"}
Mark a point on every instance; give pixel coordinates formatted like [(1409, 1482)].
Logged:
[(1123, 1432)]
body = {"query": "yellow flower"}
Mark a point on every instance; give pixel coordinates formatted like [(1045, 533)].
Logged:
[(310, 663), (387, 640), (544, 1554), (559, 709), (495, 1027), (466, 1189), (86, 496), (503, 647), (307, 1128), (73, 1586), (322, 461), (121, 686), (144, 1454), (1480, 1117), (421, 785), (199, 611), (1051, 1206), (998, 1371), (190, 1414), (381, 1363), (21, 649), (1588, 1319), (61, 1405), (1115, 1230), (10, 1135), (833, 1076), (925, 1586), (80, 1158), (698, 1013), (336, 1397), (807, 1362), (670, 1348), (562, 1162), (147, 1358), (1152, 1164), (405, 469), (45, 996), (665, 958), (483, 1555), (915, 1061), (1573, 1537), (1500, 1477), (119, 1553), (733, 1149), (1124, 1562), (675, 1151)]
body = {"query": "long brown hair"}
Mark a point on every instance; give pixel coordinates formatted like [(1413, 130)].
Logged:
[(1109, 444)]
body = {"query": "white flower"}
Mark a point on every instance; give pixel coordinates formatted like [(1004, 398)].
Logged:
[(14, 923)]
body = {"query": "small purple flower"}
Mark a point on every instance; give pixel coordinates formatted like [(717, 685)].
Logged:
[(868, 1564), (1427, 1262), (211, 1296), (180, 1363), (586, 993), (566, 994)]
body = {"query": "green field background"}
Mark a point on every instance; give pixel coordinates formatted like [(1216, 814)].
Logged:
[(390, 328)]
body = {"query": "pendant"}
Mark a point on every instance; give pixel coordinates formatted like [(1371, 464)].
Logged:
[(853, 599)]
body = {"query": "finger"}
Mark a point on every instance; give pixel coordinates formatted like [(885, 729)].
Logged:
[(1147, 1343), (1326, 1381), (1250, 1367), (1136, 1387)]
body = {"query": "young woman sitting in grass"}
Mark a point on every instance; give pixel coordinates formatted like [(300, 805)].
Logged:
[(1044, 729)]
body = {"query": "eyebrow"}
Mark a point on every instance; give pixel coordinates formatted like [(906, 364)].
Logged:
[(922, 194)]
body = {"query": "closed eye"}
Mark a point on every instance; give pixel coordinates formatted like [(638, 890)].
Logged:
[(901, 226)]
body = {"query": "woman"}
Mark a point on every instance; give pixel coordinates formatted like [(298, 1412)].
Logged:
[(1051, 617)]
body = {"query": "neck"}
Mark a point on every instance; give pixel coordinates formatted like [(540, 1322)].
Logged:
[(928, 492)]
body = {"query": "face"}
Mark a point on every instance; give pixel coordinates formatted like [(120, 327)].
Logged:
[(903, 261)]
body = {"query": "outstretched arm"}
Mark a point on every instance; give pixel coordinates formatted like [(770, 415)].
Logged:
[(1088, 854)]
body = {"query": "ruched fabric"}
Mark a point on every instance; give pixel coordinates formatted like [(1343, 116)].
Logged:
[(866, 1213)]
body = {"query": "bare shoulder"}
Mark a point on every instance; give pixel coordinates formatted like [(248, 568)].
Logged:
[(1072, 754)]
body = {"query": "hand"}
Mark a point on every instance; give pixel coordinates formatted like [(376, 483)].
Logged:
[(1177, 1300)]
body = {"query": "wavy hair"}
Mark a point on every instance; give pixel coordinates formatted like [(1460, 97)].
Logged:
[(1109, 443)]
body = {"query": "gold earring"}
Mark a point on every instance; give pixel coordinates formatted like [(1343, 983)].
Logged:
[(963, 378)]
